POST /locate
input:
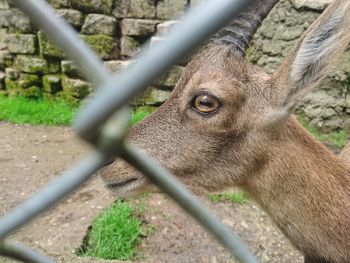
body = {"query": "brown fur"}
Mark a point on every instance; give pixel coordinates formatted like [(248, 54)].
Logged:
[(252, 142)]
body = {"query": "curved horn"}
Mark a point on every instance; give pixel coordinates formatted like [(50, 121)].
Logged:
[(241, 30)]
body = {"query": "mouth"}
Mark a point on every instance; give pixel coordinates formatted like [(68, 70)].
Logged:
[(128, 187), (117, 185)]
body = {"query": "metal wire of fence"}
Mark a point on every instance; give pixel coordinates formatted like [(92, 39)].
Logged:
[(104, 121)]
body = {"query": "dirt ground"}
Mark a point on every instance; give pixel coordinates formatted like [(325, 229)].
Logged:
[(31, 156)]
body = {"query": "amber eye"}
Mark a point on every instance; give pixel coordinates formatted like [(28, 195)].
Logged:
[(205, 103)]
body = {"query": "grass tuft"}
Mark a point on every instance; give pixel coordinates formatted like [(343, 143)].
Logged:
[(23, 110), (114, 234), (234, 197)]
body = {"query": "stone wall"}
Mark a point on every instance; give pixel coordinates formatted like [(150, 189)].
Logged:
[(328, 105), (31, 65)]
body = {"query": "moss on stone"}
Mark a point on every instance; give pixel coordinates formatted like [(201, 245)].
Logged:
[(151, 96), (59, 3), (48, 48), (70, 69), (12, 86), (51, 83), (27, 80), (53, 66), (129, 46), (103, 45), (12, 73), (31, 64), (33, 92), (76, 87), (67, 97), (36, 65)]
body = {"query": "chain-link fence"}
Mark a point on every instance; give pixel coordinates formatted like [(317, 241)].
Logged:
[(104, 121)]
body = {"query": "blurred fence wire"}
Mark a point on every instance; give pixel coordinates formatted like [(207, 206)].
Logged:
[(104, 121)]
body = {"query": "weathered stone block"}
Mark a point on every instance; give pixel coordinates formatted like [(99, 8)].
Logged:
[(52, 83), (129, 46), (48, 48), (135, 8), (5, 59), (151, 96), (11, 86), (169, 9), (4, 4), (27, 80), (30, 64), (53, 66), (104, 46), (290, 33), (149, 109), (69, 68), (89, 6), (157, 97), (3, 36), (22, 44), (76, 87), (312, 4), (15, 21), (12, 73), (117, 65), (99, 24), (4, 15), (170, 78), (165, 27), (270, 64), (324, 107), (73, 17), (36, 65), (138, 27), (59, 3), (272, 49)]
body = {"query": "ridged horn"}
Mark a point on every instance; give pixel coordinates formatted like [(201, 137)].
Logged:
[(241, 30)]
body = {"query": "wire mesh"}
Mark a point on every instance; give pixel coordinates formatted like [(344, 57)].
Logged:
[(104, 121)]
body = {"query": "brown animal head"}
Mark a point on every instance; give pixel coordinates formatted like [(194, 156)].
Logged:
[(224, 114)]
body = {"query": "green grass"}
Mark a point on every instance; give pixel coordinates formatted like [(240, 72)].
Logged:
[(234, 197), (338, 138), (115, 234), (23, 110), (41, 111), (140, 113)]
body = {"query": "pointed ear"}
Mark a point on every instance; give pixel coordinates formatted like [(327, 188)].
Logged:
[(315, 54)]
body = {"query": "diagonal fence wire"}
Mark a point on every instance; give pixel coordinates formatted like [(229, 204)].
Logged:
[(95, 124), (20, 252)]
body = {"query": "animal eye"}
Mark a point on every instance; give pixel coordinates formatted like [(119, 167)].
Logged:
[(205, 103)]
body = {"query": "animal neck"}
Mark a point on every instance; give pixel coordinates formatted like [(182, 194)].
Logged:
[(306, 190)]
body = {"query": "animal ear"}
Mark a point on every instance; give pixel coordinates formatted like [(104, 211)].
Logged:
[(315, 54)]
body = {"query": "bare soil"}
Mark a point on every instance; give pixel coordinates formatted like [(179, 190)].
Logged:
[(33, 156)]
